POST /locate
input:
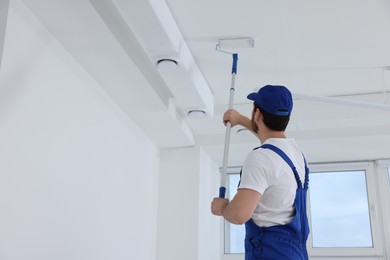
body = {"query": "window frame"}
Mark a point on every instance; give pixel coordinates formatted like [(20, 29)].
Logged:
[(226, 224), (383, 177), (372, 198)]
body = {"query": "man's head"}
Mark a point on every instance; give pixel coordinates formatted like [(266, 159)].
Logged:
[(275, 103)]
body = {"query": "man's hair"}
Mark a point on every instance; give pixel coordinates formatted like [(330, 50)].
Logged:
[(273, 122)]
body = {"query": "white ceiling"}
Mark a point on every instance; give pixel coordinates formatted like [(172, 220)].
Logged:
[(337, 49)]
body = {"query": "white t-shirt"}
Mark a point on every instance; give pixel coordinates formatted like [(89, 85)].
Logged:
[(267, 173)]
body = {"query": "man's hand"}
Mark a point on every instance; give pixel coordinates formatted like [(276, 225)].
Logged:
[(231, 116), (218, 205), (235, 118)]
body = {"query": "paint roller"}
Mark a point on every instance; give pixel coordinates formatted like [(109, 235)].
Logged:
[(230, 46)]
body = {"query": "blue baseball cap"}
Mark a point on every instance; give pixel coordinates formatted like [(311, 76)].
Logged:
[(276, 100)]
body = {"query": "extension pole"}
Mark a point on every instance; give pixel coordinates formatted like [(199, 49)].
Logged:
[(222, 189)]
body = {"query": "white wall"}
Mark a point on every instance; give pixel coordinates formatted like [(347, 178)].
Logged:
[(210, 227), (78, 180), (186, 228)]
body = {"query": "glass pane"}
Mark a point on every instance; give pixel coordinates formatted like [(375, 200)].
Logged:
[(235, 234), (339, 209)]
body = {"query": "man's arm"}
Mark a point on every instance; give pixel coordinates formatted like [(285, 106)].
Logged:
[(241, 207)]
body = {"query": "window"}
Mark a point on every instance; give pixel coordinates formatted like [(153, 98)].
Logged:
[(339, 209), (344, 210), (234, 234)]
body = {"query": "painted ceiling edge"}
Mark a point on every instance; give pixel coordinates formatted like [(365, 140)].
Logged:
[(162, 40), (129, 42), (170, 121)]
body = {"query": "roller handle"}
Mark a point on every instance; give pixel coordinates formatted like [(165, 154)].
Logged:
[(234, 66), (222, 192), (222, 189)]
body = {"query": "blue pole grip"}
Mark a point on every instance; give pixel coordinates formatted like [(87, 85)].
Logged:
[(234, 66), (222, 191)]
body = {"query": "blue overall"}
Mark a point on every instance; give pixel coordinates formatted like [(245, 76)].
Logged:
[(281, 242)]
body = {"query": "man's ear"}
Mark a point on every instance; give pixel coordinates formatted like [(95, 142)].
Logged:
[(258, 115)]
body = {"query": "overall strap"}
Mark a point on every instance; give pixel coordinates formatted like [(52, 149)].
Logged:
[(289, 162), (306, 185)]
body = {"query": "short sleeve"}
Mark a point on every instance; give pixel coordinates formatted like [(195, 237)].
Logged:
[(255, 172)]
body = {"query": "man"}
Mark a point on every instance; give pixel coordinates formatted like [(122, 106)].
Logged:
[(271, 197)]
